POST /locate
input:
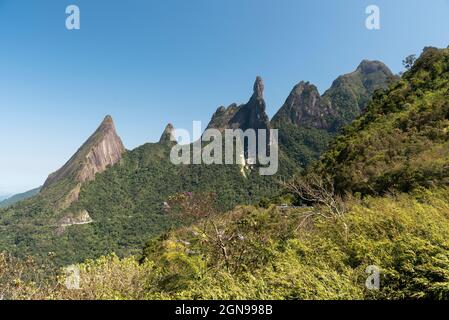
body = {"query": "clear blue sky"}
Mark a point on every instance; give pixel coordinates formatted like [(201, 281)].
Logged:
[(149, 62)]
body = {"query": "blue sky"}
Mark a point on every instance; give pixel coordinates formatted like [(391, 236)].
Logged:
[(149, 62)]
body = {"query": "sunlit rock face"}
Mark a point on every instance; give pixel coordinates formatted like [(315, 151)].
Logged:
[(103, 149)]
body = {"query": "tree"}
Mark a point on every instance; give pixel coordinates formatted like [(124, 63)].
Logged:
[(196, 205), (409, 61), (319, 190)]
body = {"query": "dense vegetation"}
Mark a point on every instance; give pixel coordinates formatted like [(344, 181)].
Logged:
[(308, 122), (402, 141), (378, 197), (274, 253), (126, 205), (303, 145), (19, 197)]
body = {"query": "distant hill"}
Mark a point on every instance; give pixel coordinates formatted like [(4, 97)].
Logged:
[(19, 197)]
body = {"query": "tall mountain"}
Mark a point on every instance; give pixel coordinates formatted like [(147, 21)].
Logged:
[(251, 115), (168, 134), (351, 93), (304, 107), (402, 140), (222, 117), (123, 206), (106, 199), (339, 105), (102, 149), (308, 121)]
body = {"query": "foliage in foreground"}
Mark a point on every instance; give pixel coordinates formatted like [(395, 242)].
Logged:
[(274, 253)]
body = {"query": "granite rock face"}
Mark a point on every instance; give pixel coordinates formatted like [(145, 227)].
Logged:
[(345, 100), (168, 135), (251, 115), (304, 107), (103, 149), (222, 117), (350, 94)]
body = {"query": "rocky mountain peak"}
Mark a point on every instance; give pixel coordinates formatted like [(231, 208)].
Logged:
[(304, 107), (168, 134), (305, 88), (107, 123), (103, 148), (221, 118), (369, 66), (251, 115), (258, 88), (339, 105)]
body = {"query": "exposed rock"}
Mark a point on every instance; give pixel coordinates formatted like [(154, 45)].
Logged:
[(368, 66), (71, 197), (252, 115), (104, 148), (258, 88), (168, 134), (247, 116), (304, 107), (342, 103), (221, 118), (80, 218), (350, 93)]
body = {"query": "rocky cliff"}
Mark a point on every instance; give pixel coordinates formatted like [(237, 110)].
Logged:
[(168, 135), (222, 117), (104, 148), (339, 105), (251, 115), (304, 107)]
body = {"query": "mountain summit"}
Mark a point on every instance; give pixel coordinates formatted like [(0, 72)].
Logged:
[(305, 107), (258, 88), (351, 93), (104, 148), (251, 115), (168, 134), (345, 100)]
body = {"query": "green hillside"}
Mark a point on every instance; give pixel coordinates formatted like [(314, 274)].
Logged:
[(378, 198), (126, 205), (402, 141), (19, 197), (308, 122)]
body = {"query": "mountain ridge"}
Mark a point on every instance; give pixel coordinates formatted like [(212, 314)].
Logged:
[(124, 193)]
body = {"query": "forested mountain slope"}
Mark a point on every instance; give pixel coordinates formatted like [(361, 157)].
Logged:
[(402, 141), (308, 121)]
